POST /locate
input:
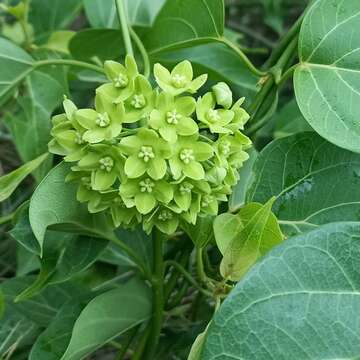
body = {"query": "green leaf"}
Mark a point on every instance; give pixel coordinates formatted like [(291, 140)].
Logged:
[(190, 22), (15, 64), (59, 41), (104, 44), (327, 81), (254, 233), (314, 182), (47, 16), (102, 13), (237, 197), (202, 232), (113, 312), (53, 341), (54, 203), (289, 120), (217, 60), (9, 182), (30, 123), (295, 303)]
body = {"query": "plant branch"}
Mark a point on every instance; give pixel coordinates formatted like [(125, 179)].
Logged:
[(142, 50), (158, 294), (68, 62), (120, 6), (187, 276)]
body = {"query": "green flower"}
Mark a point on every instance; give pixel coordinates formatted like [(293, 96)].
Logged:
[(180, 79), (141, 102), (240, 117), (147, 153), (188, 152), (67, 134), (215, 119), (172, 117), (122, 79), (122, 215), (191, 215), (105, 164), (187, 189), (104, 123), (146, 193), (223, 94), (166, 220), (230, 149)]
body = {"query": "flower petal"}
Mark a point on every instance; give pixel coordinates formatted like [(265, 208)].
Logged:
[(102, 180), (144, 202), (203, 151), (95, 135), (186, 127), (86, 118), (157, 168), (168, 133), (194, 170), (185, 105), (134, 167), (185, 69)]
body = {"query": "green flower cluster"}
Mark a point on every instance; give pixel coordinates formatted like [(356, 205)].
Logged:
[(155, 156)]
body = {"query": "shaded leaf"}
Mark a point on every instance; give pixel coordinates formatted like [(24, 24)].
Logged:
[(202, 232), (295, 303), (190, 22), (314, 182)]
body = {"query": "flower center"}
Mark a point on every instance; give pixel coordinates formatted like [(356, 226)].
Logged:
[(213, 115), (206, 201), (172, 117), (138, 101), (106, 163), (185, 188), (102, 120), (78, 138), (121, 81), (178, 80), (146, 153), (187, 155), (146, 185), (165, 215), (225, 147)]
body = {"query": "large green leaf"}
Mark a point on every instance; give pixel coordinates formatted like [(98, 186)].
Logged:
[(314, 182), (190, 22), (245, 237), (107, 316), (9, 182), (102, 13), (47, 16), (15, 64), (220, 62), (54, 203), (299, 302), (327, 81), (103, 44)]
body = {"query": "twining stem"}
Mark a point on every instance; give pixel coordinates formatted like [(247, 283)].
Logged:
[(68, 62), (158, 294), (142, 50), (120, 6), (243, 57)]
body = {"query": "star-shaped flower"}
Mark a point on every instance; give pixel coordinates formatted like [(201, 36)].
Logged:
[(105, 164), (188, 153), (172, 116), (146, 154), (215, 119), (146, 193), (122, 79), (104, 123), (180, 79), (185, 191)]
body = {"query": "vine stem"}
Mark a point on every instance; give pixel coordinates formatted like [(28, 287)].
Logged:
[(243, 57), (120, 6), (158, 294), (68, 62), (142, 50)]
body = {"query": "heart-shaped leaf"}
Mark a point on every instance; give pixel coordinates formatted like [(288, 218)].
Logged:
[(298, 302), (314, 182), (327, 81)]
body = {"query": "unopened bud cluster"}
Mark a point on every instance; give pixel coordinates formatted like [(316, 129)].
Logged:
[(156, 156)]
